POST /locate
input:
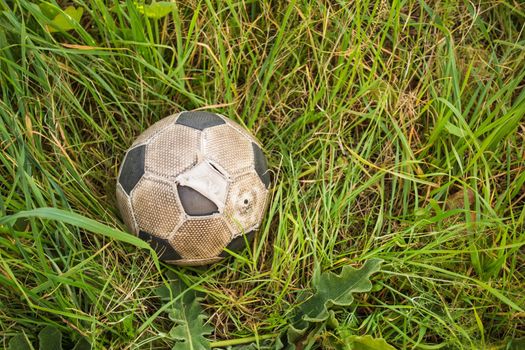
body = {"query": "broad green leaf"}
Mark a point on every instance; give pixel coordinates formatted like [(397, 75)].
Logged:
[(49, 10), (19, 342), (516, 344), (330, 291), (157, 10), (190, 329), (356, 342), (50, 338), (66, 20), (336, 290), (454, 130), (82, 344)]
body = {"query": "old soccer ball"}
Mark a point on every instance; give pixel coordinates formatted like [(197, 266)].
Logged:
[(195, 186)]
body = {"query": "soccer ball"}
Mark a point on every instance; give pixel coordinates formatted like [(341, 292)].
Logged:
[(194, 185)]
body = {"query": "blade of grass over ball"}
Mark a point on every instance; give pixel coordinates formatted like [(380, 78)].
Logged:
[(80, 221)]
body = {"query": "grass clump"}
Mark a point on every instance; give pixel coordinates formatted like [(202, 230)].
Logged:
[(394, 131)]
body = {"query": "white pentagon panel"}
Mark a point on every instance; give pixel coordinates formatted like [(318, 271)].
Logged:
[(228, 148), (240, 129), (156, 206), (173, 150), (201, 238), (155, 128), (246, 203)]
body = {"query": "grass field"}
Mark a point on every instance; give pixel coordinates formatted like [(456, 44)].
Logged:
[(394, 130)]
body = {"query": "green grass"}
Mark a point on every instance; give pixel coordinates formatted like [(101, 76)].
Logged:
[(394, 129)]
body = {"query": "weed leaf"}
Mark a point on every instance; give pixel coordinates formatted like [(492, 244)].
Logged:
[(331, 291), (49, 10), (157, 10), (50, 338), (356, 342), (82, 344), (190, 329), (516, 344), (19, 342), (65, 20)]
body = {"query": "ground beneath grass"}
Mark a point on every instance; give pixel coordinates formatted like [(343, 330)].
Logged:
[(394, 130)]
